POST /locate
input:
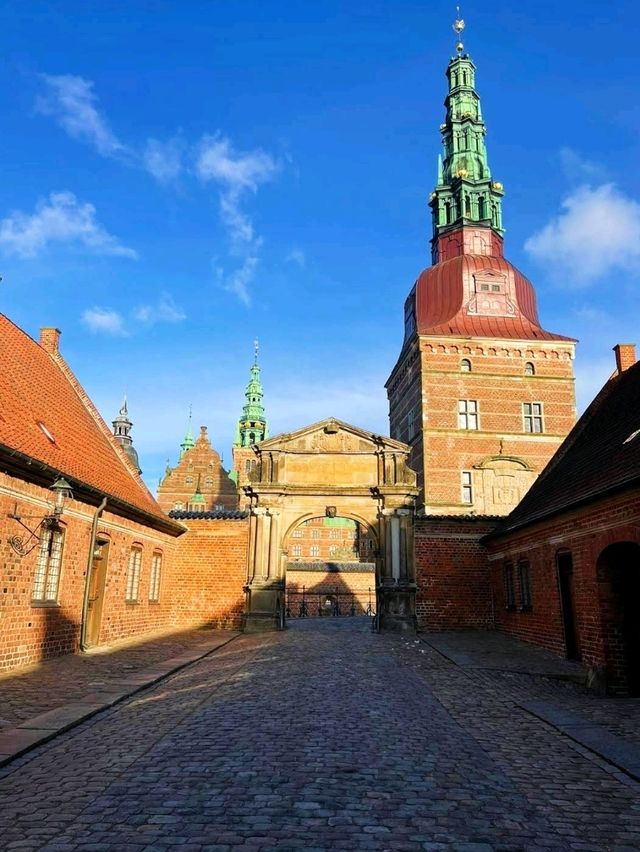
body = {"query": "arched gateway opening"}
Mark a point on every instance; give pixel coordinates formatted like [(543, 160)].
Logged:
[(618, 571), (327, 503), (330, 568)]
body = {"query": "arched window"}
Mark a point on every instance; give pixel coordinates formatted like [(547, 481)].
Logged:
[(481, 213), (529, 369), (467, 207), (465, 365)]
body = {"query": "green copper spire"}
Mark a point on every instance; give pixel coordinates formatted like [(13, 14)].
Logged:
[(188, 440), (465, 194), (252, 426)]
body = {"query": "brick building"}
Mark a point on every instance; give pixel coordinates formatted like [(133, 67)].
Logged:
[(199, 482), (565, 564), (482, 393), (84, 570)]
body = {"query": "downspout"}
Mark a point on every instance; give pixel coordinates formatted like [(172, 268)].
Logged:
[(87, 581)]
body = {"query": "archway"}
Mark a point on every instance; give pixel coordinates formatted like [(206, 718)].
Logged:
[(618, 572), (331, 470), (330, 568)]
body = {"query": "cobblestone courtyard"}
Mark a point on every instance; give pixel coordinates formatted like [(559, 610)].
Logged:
[(323, 737)]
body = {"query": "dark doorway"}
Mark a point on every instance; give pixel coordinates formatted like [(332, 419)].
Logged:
[(564, 562), (96, 590), (619, 582)]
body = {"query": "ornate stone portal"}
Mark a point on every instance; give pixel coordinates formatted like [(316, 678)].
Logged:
[(331, 469)]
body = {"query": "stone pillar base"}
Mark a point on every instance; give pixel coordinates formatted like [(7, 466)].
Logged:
[(397, 608), (265, 608)]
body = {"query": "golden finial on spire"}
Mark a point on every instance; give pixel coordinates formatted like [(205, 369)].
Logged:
[(458, 26)]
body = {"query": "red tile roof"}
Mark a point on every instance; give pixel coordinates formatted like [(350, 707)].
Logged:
[(442, 291), (599, 455), (46, 416)]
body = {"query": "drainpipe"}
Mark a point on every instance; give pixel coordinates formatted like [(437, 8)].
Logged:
[(87, 581)]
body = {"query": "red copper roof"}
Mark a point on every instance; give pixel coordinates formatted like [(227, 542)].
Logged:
[(40, 397), (443, 293)]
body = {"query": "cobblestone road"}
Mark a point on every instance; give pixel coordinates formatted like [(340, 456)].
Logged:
[(323, 737)]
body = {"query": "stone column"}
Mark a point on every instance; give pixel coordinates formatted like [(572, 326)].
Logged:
[(397, 591), (265, 590)]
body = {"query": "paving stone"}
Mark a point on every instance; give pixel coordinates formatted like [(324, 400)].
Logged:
[(323, 737)]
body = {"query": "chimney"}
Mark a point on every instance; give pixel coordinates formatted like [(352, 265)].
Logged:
[(625, 356), (50, 340)]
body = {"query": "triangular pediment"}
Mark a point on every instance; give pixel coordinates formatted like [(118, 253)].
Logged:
[(331, 436)]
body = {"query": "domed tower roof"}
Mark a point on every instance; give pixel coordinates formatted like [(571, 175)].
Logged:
[(121, 432)]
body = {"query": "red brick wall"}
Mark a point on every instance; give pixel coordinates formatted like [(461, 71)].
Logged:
[(452, 573), (211, 570), (356, 586), (31, 631), (585, 532)]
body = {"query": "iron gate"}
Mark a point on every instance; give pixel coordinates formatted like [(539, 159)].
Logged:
[(327, 604)]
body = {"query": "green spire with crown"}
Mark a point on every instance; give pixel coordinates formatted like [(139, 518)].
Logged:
[(252, 426), (465, 193), (188, 441)]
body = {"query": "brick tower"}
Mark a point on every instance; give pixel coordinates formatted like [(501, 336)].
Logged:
[(251, 427), (482, 393)]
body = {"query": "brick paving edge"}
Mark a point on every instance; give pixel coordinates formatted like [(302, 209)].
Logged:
[(46, 726)]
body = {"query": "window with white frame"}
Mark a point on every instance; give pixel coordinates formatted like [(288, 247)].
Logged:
[(315, 550), (133, 574), (296, 550), (47, 577), (154, 580), (333, 550), (467, 414), (333, 533), (297, 533), (532, 415), (315, 533), (467, 487)]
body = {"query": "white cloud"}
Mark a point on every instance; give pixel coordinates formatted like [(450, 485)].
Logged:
[(237, 282), (237, 174), (71, 101), (596, 233), (105, 321), (165, 310), (163, 159), (578, 169), (59, 219), (296, 256)]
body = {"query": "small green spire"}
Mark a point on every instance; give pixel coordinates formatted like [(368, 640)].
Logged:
[(466, 194), (252, 426), (188, 441)]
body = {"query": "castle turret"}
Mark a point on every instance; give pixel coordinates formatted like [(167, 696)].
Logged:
[(122, 433)]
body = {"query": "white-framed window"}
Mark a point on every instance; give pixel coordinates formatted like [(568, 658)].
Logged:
[(467, 486), (188, 480), (178, 505), (315, 550), (133, 574), (315, 533), (47, 577), (532, 416), (297, 533), (333, 533), (467, 414), (296, 550), (209, 481), (333, 550), (154, 580)]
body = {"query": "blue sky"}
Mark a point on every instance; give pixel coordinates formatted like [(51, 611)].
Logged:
[(178, 178)]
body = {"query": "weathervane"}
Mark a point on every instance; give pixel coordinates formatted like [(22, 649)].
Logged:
[(458, 26)]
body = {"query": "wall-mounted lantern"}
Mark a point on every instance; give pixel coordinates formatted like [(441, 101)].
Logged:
[(25, 544)]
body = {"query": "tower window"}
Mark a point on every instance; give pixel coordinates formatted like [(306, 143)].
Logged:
[(465, 365), (532, 415), (467, 414), (467, 487), (529, 369)]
